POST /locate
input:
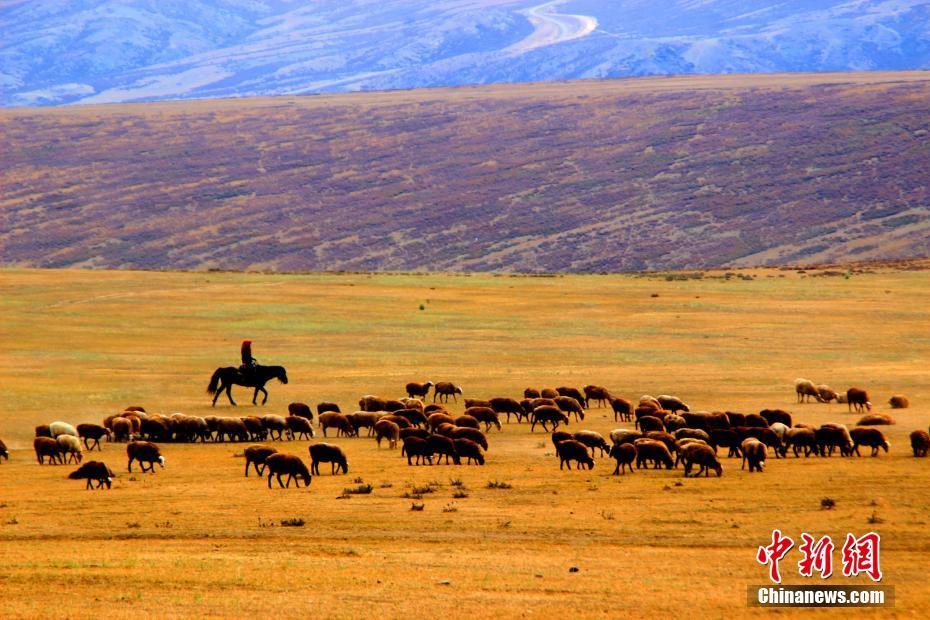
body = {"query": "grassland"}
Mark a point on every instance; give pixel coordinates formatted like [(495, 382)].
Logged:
[(590, 176), (200, 539)]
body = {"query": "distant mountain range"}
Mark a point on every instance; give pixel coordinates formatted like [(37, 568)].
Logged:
[(100, 51)]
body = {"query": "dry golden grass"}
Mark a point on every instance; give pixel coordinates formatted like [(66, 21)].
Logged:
[(199, 538)]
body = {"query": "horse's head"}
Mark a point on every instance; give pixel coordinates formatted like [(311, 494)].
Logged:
[(281, 374)]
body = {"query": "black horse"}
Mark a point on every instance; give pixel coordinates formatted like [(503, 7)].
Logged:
[(225, 378)]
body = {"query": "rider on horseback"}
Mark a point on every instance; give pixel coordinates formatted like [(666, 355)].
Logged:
[(248, 362)]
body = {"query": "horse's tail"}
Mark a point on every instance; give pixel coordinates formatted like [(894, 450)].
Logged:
[(214, 381)]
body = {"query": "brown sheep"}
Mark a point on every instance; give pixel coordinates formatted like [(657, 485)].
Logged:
[(399, 421), (571, 450), (693, 433), (876, 419), (443, 447), (339, 421), (257, 430), (649, 423), (43, 430), (570, 406), (801, 439), (477, 402), (385, 429), (327, 406), (649, 401), (418, 390), (596, 393), (571, 392), (672, 403), (47, 447), (831, 436), (920, 443), (444, 390), (470, 434), (623, 409), (773, 416), (508, 406), (805, 390), (858, 399), (624, 435), (545, 415), (869, 437), (301, 409), (155, 428), (754, 452), (417, 447), (435, 419), (135, 408), (484, 415), (364, 419), (93, 432), (433, 408), (413, 403), (122, 429), (94, 471), (299, 427), (735, 419), (756, 421), (276, 426), (558, 436), (899, 401), (674, 422), (414, 416), (280, 463), (467, 421), (256, 456), (422, 433), (232, 428), (593, 440), (727, 438), (669, 440), (328, 453), (624, 454), (469, 450), (655, 451), (702, 456), (529, 405), (530, 393), (144, 452), (766, 435), (549, 393), (372, 403), (827, 393)]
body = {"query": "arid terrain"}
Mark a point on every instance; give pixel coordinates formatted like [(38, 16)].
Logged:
[(198, 538), (589, 176)]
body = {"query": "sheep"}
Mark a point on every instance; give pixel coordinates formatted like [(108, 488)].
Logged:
[(622, 408), (422, 433), (393, 405), (571, 392), (805, 390), (765, 435), (467, 421), (529, 393), (471, 434), (692, 433), (93, 432), (652, 450), (827, 393), (385, 429), (674, 422), (547, 414), (684, 442), (876, 419), (755, 420), (94, 471), (122, 429), (869, 437), (433, 408), (154, 428), (570, 406), (327, 453), (363, 419), (899, 401), (399, 421), (508, 406), (649, 401), (772, 416), (414, 416), (549, 393), (624, 454), (800, 439), (649, 423), (339, 421), (571, 450), (447, 428), (858, 399), (597, 393), (372, 403), (417, 447), (780, 431), (754, 452), (70, 446), (624, 435), (485, 415), (4, 453), (672, 403), (144, 452), (842, 398), (256, 456), (413, 403), (444, 390), (301, 409), (726, 437), (701, 455), (476, 402), (299, 427), (920, 443), (418, 390), (280, 463), (592, 440), (47, 447), (135, 408), (469, 450), (327, 406), (232, 428), (830, 436), (276, 425), (61, 428), (558, 436), (257, 430), (443, 447), (42, 430), (735, 419), (435, 419), (529, 405)]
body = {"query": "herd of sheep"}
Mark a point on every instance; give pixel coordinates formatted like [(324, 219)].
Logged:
[(665, 433)]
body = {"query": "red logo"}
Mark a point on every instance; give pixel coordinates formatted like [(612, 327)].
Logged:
[(773, 554), (860, 555), (817, 556)]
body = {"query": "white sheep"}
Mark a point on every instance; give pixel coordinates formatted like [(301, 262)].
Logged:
[(62, 428), (71, 446)]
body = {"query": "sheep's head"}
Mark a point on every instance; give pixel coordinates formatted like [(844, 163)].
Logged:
[(109, 482), (719, 468), (161, 461), (886, 444), (868, 405)]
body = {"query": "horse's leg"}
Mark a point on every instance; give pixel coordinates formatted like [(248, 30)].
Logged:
[(265, 392), (217, 394), (229, 394), (254, 395)]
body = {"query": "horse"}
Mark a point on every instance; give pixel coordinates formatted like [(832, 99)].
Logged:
[(225, 378)]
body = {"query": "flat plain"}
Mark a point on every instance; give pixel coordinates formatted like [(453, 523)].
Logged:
[(198, 538)]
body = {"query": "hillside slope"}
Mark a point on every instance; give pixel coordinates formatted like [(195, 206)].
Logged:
[(593, 176)]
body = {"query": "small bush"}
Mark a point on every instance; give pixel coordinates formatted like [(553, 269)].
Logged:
[(827, 503), (450, 507), (293, 522), (874, 519), (460, 494), (456, 482), (417, 507), (499, 484), (362, 489), (133, 525)]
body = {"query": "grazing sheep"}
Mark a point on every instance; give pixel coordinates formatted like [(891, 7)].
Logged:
[(339, 421), (363, 419), (656, 452), (754, 452), (727, 438), (418, 390), (624, 435), (435, 419), (780, 430), (471, 434), (385, 429), (256, 457), (477, 402), (300, 427), (508, 406), (876, 419), (827, 393), (623, 409), (593, 440), (571, 450), (684, 442), (276, 426), (413, 403), (422, 433), (624, 454), (4, 453), (94, 471), (414, 416), (771, 416), (842, 399), (920, 443), (327, 453), (529, 393), (433, 408), (61, 428), (444, 390), (831, 436), (649, 401), (467, 421), (155, 428), (693, 433), (702, 456), (93, 432), (47, 447), (648, 423), (122, 429), (549, 393), (372, 403), (899, 401), (70, 446), (756, 421), (571, 392), (806, 389), (800, 439), (735, 419), (858, 399), (234, 429), (766, 435), (257, 430), (672, 403), (301, 409), (279, 464), (135, 408), (394, 405), (43, 430), (469, 450), (417, 447), (570, 406), (545, 415), (597, 393), (869, 437), (669, 441), (402, 423), (443, 447), (529, 405), (486, 416), (327, 406), (146, 453), (674, 422), (558, 436)]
